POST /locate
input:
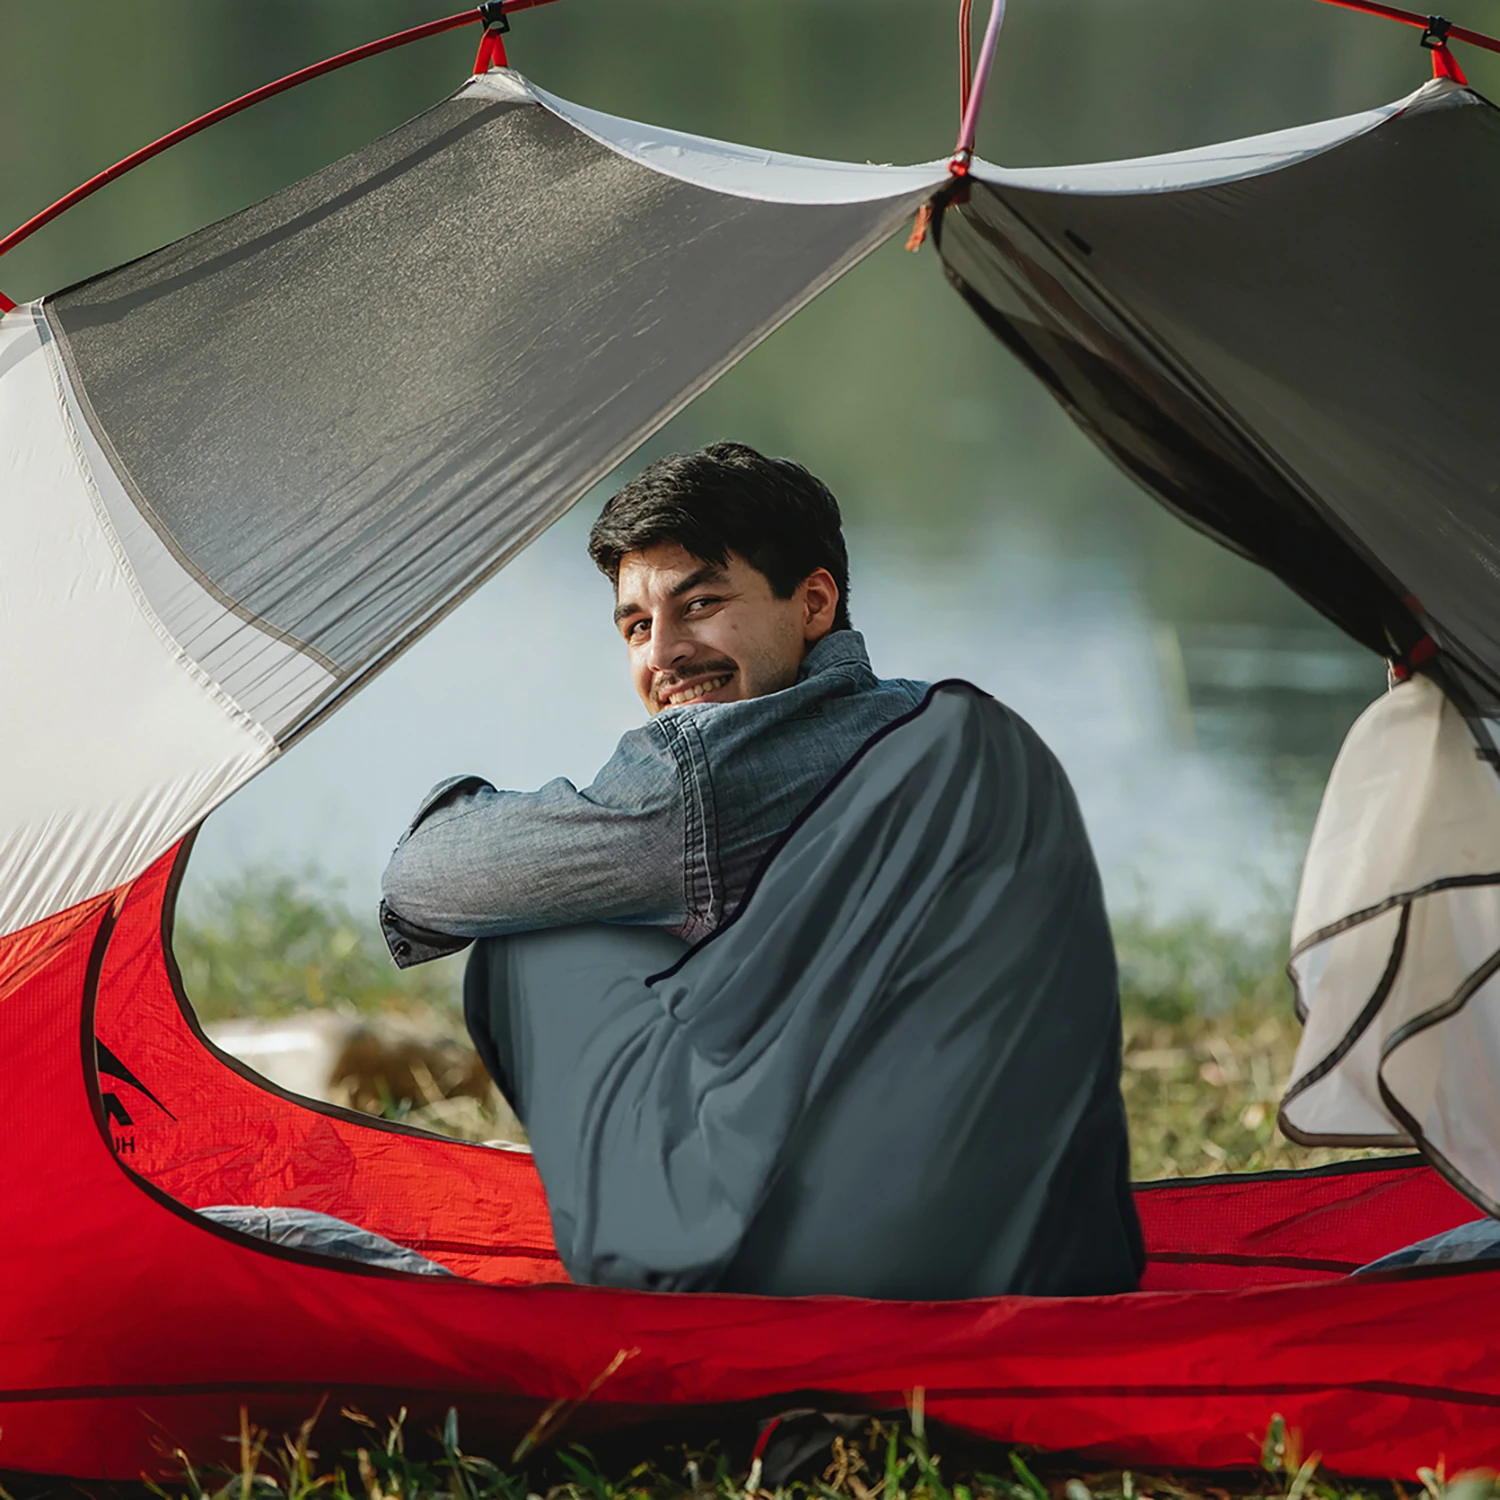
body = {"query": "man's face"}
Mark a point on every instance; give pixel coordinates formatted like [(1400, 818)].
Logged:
[(698, 633)]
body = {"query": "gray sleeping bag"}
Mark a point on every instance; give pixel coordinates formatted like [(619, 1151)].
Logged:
[(894, 1072)]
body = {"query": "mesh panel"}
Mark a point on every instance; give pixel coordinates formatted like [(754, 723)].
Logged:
[(344, 405)]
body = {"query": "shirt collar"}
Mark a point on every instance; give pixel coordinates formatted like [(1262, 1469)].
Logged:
[(839, 648)]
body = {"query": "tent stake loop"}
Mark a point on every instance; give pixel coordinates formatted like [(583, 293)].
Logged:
[(491, 52), (1435, 39)]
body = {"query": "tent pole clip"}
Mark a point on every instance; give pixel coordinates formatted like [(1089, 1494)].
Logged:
[(1435, 36), (492, 13)]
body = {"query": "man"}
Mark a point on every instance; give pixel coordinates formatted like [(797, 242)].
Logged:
[(697, 1114), (731, 589)]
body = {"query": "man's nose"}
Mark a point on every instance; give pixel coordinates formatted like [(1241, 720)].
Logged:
[(670, 645)]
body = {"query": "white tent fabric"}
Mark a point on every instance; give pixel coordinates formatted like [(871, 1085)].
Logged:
[(722, 166), (1207, 166), (780, 177), (1396, 945), (116, 742)]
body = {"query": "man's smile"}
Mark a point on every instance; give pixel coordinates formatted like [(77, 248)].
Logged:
[(695, 690)]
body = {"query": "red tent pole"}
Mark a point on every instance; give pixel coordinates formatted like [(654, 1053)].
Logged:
[(1440, 31), (485, 13)]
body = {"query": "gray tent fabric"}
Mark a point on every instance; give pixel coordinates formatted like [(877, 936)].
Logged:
[(322, 1234), (894, 1072), (1297, 362), (342, 407), (1479, 1241)]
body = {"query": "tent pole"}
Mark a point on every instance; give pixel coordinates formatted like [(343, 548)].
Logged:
[(959, 165), (971, 96), (965, 60), (1436, 31), (486, 13)]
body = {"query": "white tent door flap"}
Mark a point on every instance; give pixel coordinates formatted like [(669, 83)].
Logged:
[(1396, 946)]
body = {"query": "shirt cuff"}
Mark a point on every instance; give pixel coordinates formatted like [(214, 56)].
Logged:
[(411, 945)]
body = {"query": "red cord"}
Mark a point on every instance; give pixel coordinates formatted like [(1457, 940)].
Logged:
[(965, 58), (958, 164), (1445, 65), (491, 52), (266, 91), (958, 167)]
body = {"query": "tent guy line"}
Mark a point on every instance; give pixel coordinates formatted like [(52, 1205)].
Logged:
[(973, 94)]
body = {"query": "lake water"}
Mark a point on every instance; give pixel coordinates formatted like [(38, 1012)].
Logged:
[(1195, 702), (1197, 754)]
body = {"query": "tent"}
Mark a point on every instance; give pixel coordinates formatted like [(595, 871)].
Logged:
[(237, 477)]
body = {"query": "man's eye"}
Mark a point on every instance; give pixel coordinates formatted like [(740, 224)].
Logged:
[(703, 600), (635, 629)]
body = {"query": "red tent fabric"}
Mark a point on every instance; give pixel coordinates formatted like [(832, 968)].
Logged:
[(130, 1325), (206, 1130)]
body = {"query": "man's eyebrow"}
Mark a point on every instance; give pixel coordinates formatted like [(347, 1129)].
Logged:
[(708, 573)]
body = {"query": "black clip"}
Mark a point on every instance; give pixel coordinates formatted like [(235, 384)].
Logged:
[(1435, 36), (492, 13)]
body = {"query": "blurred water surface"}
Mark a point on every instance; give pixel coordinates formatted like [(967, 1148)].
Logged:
[(1196, 703)]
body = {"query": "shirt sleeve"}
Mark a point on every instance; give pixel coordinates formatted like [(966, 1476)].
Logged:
[(478, 862)]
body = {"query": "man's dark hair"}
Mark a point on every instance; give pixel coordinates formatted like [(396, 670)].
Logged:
[(728, 498)]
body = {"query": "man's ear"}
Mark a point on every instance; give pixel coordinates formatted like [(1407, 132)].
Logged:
[(820, 597)]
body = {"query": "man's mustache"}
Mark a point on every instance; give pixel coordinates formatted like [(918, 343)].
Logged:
[(668, 682)]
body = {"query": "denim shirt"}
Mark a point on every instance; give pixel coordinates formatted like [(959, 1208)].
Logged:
[(669, 833)]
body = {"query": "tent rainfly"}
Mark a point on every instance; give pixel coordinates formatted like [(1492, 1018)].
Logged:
[(235, 482)]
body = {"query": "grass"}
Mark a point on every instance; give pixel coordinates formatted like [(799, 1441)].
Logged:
[(862, 1460), (1210, 1034), (271, 943), (1209, 1026)]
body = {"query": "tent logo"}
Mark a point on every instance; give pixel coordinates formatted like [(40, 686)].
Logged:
[(115, 1111)]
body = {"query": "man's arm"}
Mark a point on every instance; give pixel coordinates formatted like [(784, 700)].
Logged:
[(478, 862)]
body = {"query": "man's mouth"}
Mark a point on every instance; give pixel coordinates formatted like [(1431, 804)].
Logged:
[(692, 692)]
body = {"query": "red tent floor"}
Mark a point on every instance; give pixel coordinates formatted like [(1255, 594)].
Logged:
[(129, 1325)]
